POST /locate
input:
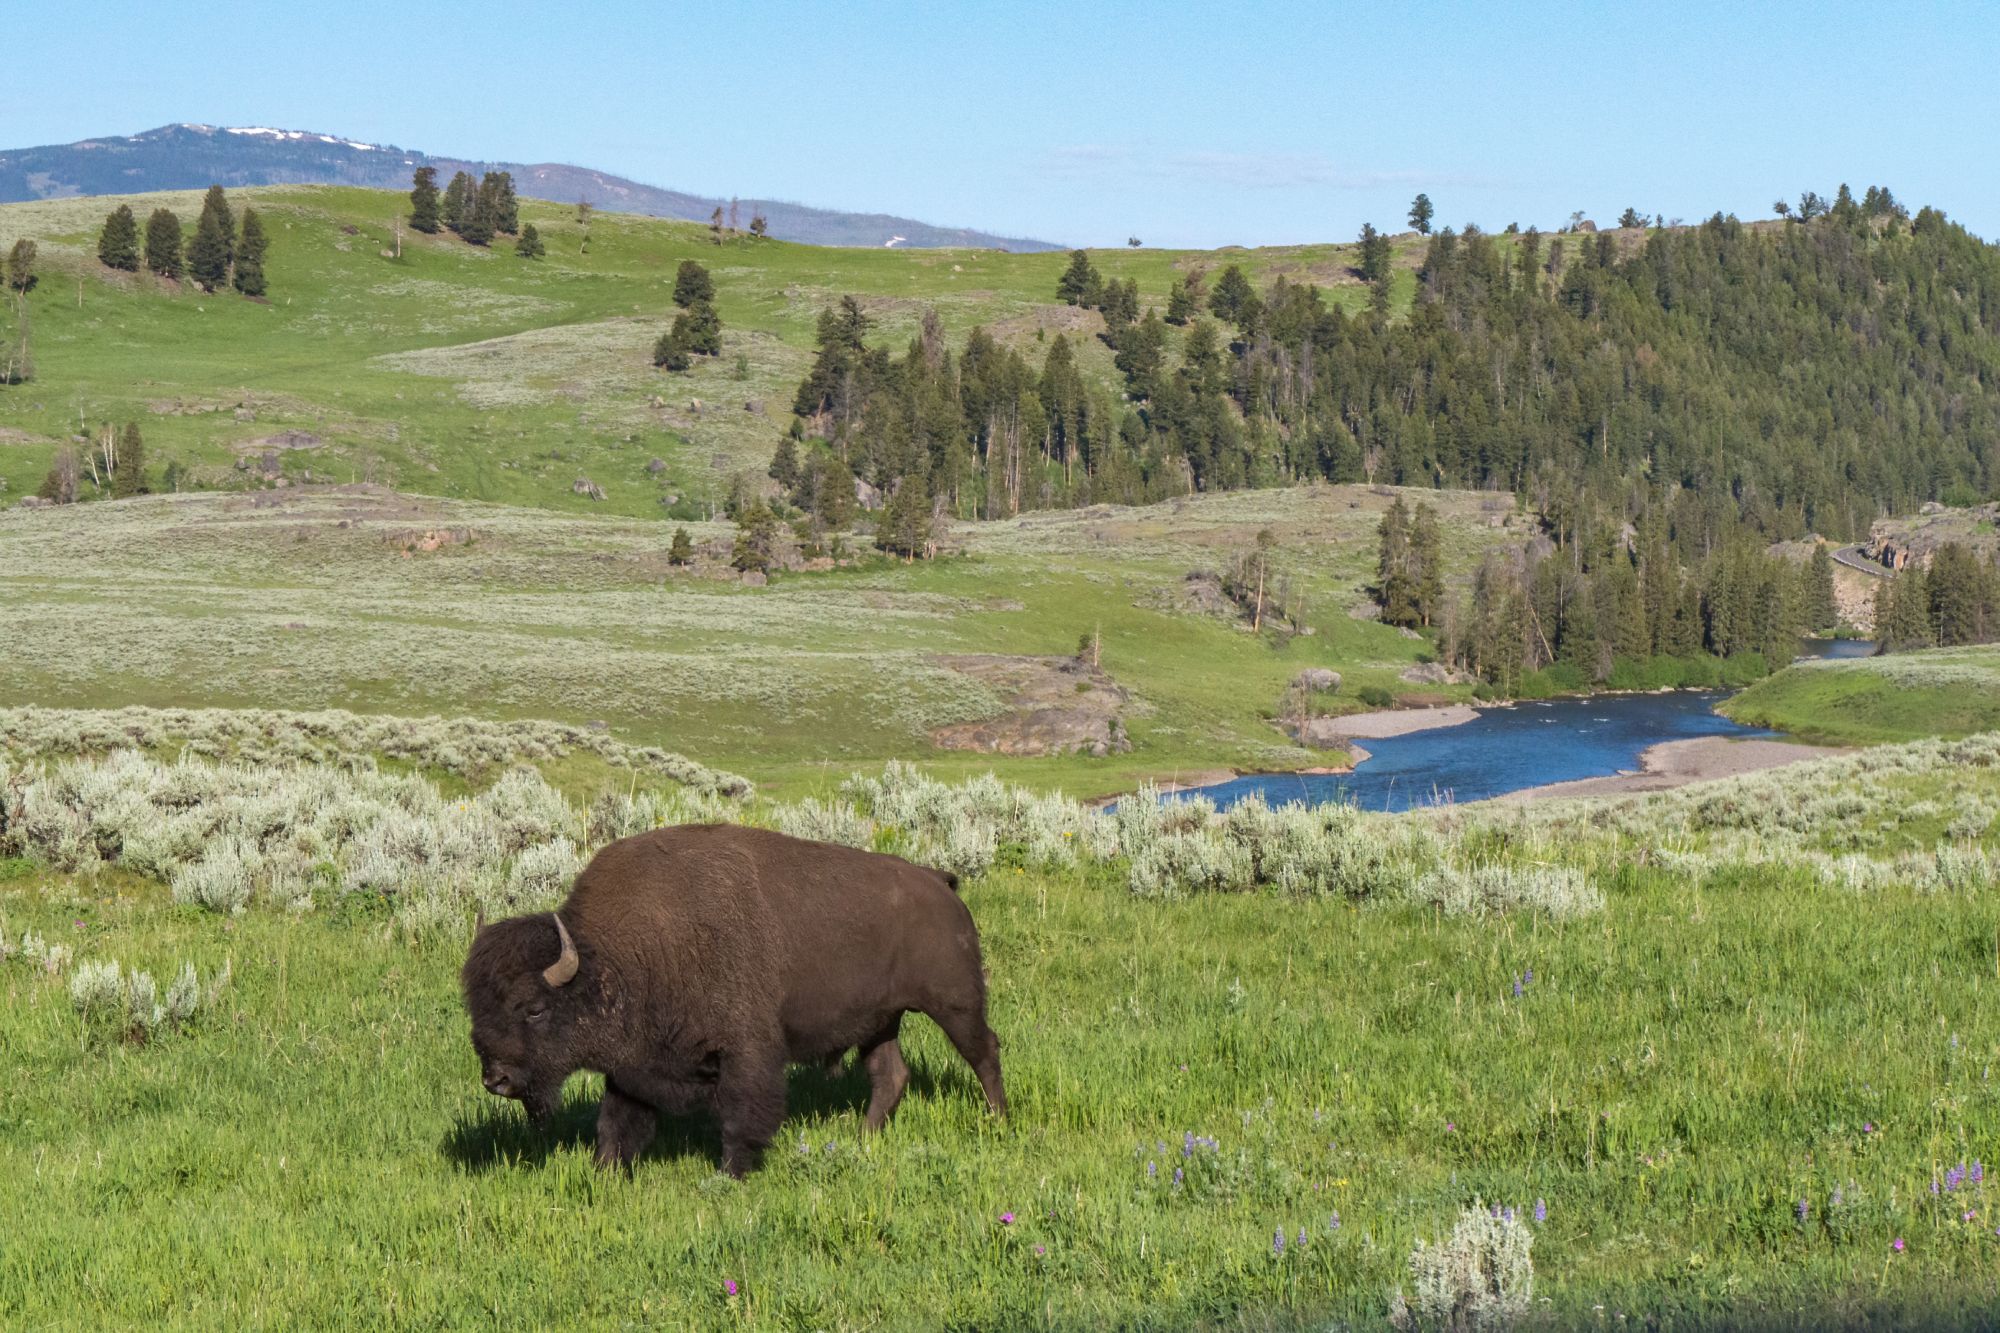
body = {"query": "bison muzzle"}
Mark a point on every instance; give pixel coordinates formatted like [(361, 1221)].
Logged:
[(690, 965)]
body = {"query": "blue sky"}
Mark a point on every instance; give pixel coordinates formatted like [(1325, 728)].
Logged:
[(1182, 124)]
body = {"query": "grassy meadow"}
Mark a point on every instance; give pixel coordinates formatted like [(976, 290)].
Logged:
[(470, 373), (1866, 701), (1730, 1060)]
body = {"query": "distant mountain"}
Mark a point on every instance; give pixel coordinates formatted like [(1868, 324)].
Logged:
[(186, 157)]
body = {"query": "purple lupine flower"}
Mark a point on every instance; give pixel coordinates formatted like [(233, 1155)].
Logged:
[(1510, 1213), (1302, 1233), (1839, 1196), (1177, 1175), (1804, 1210), (1187, 1144), (1278, 1243), (1978, 1171), (1496, 1211), (1529, 976), (1969, 1215), (1517, 988), (1152, 1169), (1954, 1178), (1934, 1187), (1541, 1211), (1333, 1223)]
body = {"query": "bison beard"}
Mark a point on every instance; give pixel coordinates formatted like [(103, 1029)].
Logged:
[(690, 965)]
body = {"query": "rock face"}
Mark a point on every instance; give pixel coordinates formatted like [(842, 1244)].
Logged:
[(585, 486), (1435, 673), (1056, 705), (1317, 678)]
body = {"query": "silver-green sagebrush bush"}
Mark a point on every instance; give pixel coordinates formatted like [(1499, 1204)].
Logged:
[(1481, 1277), (128, 1004)]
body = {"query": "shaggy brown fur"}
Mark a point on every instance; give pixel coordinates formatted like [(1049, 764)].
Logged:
[(707, 958)]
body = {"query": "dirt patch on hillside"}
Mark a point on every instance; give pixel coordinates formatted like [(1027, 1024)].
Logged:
[(1055, 705)]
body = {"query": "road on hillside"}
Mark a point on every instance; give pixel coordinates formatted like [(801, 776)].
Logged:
[(1851, 557)]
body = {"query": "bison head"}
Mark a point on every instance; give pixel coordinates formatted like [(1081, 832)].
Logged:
[(520, 989)]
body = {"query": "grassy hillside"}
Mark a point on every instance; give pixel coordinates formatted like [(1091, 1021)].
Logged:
[(470, 373), (311, 599), (1941, 692), (1236, 1110)]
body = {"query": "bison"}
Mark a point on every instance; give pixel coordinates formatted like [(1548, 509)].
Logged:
[(689, 965)]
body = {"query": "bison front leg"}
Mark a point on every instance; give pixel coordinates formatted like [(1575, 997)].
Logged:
[(625, 1125), (750, 1101)]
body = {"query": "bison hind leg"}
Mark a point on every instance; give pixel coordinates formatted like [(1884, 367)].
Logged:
[(888, 1076), (980, 1045), (625, 1125)]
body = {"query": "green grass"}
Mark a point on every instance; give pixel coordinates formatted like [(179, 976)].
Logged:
[(308, 600), (1866, 701), (1678, 1074), (471, 373)]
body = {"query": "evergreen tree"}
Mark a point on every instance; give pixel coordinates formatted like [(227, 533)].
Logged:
[(458, 201), (1902, 611), (1420, 215), (1233, 297), (1631, 217), (1396, 584), (163, 244), (118, 243), (250, 249), (756, 538), (758, 225), (476, 226), (424, 201), (1427, 559), (905, 525), (21, 266), (1079, 284), (217, 203), (668, 351), (834, 498), (129, 476), (1822, 610), (699, 330), (1182, 304), (208, 254), (1375, 254), (784, 467), (692, 283), (506, 206), (529, 245), (681, 551)]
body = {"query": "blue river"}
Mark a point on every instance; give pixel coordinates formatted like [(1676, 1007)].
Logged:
[(1513, 747)]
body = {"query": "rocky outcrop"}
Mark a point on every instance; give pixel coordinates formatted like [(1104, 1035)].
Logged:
[(1055, 705)]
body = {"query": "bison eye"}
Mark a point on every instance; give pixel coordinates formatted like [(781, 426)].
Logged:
[(537, 1010)]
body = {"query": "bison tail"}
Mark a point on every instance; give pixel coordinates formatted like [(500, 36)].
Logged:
[(950, 879)]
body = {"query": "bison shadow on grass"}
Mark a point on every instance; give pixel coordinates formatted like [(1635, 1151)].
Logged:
[(493, 1136)]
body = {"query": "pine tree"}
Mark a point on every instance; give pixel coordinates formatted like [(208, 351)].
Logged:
[(669, 353), (691, 284), (834, 506), (905, 525), (21, 266), (681, 551), (1396, 587), (118, 243), (1079, 283), (506, 206), (529, 245), (756, 538), (477, 225), (1427, 554), (758, 226), (424, 201), (1374, 266), (216, 202), (129, 476), (1421, 214), (209, 253), (784, 467), (163, 244), (1822, 610), (1181, 303), (250, 249), (699, 330), (458, 200)]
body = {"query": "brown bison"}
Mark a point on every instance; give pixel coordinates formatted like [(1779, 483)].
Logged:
[(689, 965)]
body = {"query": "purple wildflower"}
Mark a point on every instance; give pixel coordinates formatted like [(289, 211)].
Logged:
[(1839, 1196), (1978, 1172), (1868, 1127), (1039, 1250), (1517, 988), (1152, 1169), (1541, 1211), (1529, 976), (1934, 1187), (1177, 1175), (729, 1286), (1302, 1233), (1187, 1144), (1333, 1223), (1897, 1245), (1804, 1210), (1969, 1215), (1278, 1243), (1006, 1219), (1451, 1127), (1954, 1177)]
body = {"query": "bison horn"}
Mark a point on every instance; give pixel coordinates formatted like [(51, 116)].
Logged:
[(563, 969)]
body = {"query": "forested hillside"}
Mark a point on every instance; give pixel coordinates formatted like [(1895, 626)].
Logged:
[(1790, 377)]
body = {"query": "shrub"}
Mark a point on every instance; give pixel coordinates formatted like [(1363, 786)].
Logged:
[(1375, 696), (1483, 1277)]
